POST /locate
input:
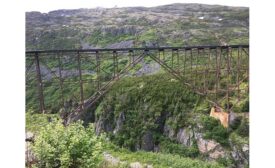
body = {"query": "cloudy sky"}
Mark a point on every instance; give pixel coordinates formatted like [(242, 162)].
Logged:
[(49, 5)]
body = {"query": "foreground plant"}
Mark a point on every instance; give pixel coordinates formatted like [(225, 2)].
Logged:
[(67, 147)]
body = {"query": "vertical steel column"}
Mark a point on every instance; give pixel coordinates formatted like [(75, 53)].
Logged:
[(196, 68), (133, 57), (248, 70), (115, 64), (208, 68), (220, 66), (184, 64), (247, 67), (60, 77), (217, 73), (80, 79), (159, 54), (39, 85), (238, 72), (204, 69), (178, 61), (98, 70), (172, 59), (191, 56), (227, 81), (163, 55), (129, 58)]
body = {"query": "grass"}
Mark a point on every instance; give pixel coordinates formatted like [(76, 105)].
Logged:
[(160, 160), (34, 122)]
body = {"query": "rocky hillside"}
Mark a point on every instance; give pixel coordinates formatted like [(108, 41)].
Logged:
[(155, 113), (168, 25), (153, 121)]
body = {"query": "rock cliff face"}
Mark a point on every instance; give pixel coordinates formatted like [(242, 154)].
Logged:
[(168, 25), (29, 156), (146, 119), (187, 136)]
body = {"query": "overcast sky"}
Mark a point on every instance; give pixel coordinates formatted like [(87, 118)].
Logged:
[(49, 5)]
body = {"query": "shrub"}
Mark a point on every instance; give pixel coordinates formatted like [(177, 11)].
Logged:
[(67, 147), (167, 146), (34, 121), (214, 130), (245, 107), (236, 123), (227, 162), (243, 129), (178, 149)]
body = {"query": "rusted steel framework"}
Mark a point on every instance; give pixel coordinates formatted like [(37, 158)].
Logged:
[(216, 72)]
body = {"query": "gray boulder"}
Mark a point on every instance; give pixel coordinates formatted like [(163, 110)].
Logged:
[(135, 165), (185, 136), (240, 154), (147, 143), (210, 147), (168, 131), (119, 122)]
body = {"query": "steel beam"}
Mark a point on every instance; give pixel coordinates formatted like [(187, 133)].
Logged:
[(39, 84)]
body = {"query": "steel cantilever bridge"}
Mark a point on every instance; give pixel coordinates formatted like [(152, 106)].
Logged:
[(216, 72)]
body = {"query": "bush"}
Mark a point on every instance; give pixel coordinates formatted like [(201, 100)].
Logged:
[(214, 130), (236, 123), (67, 147), (245, 107), (167, 146), (243, 129), (227, 162)]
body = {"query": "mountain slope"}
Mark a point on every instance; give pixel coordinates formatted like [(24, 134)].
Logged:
[(168, 25)]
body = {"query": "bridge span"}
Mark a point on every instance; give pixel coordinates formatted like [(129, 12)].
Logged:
[(217, 73)]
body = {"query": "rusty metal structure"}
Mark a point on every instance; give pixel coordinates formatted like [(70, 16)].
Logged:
[(83, 76)]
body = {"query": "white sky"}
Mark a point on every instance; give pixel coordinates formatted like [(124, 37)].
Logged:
[(49, 5)]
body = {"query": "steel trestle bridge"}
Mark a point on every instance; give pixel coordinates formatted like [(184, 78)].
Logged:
[(217, 73)]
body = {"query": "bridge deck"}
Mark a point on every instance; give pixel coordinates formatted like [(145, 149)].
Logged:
[(138, 49)]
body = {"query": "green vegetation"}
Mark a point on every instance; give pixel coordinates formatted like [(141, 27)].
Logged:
[(71, 146), (168, 146), (226, 162), (147, 103), (103, 39), (160, 160), (149, 35), (53, 97), (35, 122), (238, 140), (143, 101), (214, 130), (243, 129), (56, 145), (175, 25)]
